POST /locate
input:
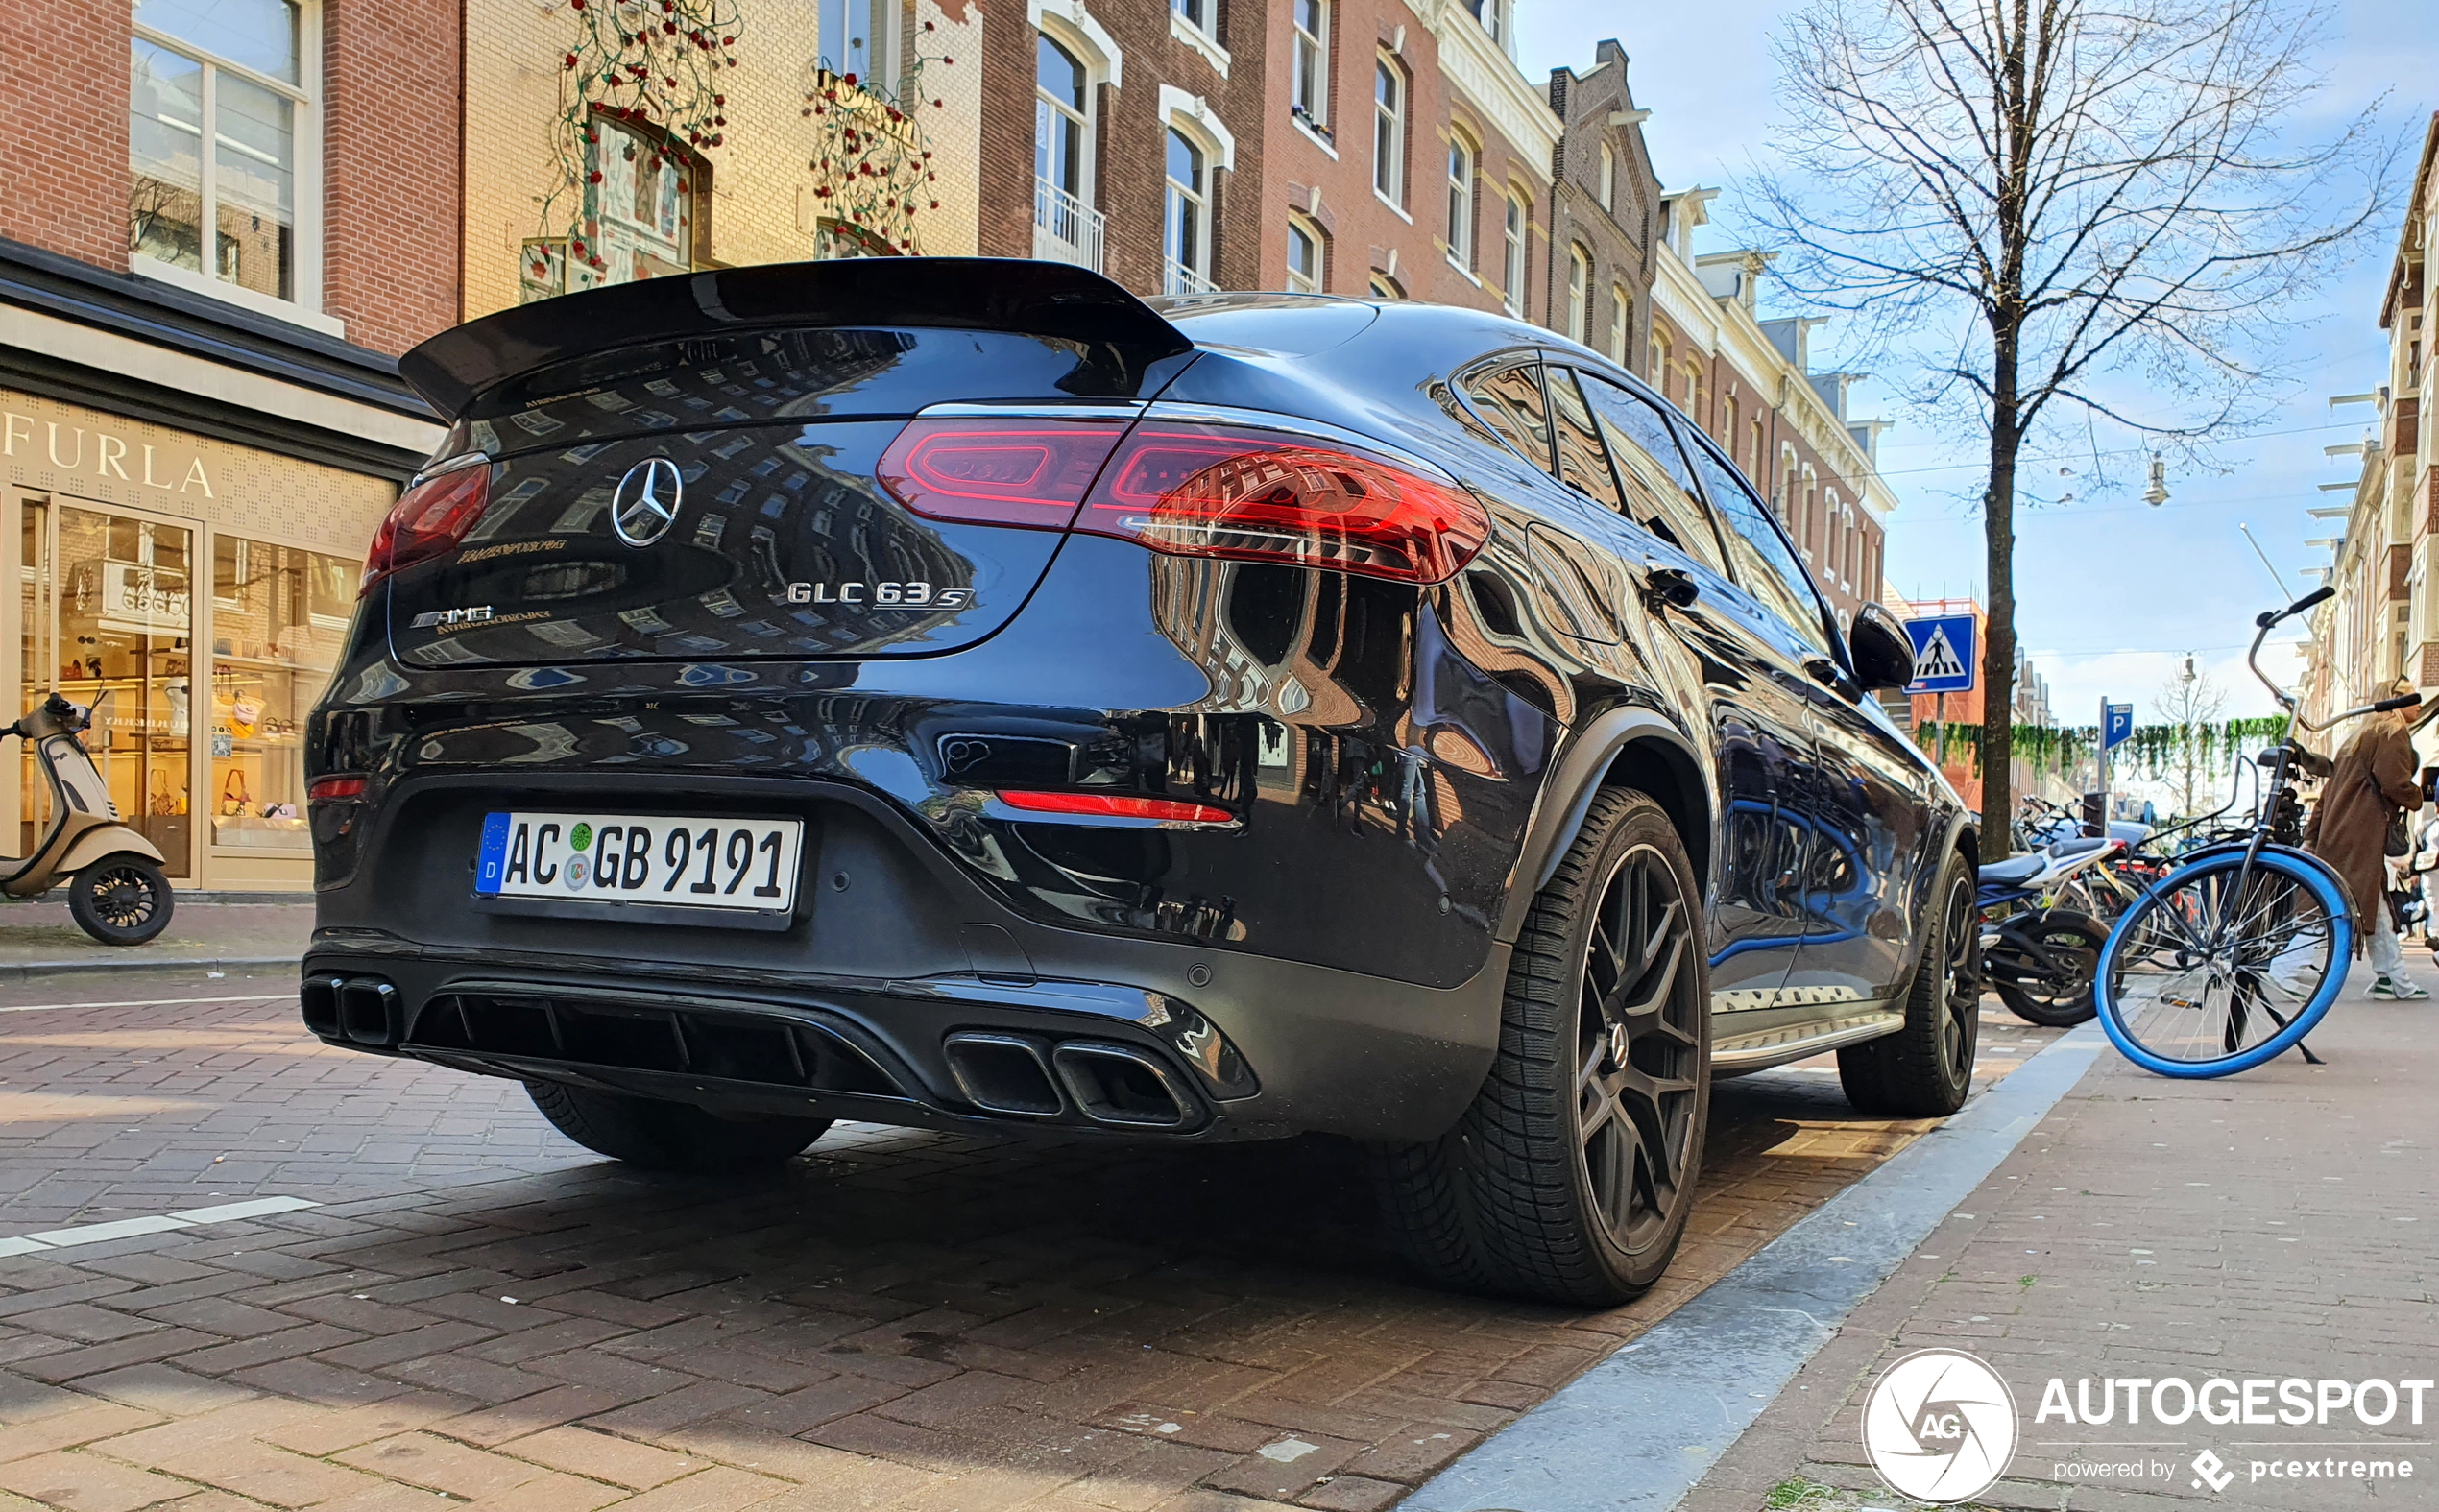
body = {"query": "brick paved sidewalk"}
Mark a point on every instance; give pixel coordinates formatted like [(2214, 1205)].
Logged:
[(2275, 1224), (38, 936), (901, 1320)]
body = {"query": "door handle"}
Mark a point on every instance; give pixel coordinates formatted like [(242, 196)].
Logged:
[(1669, 584)]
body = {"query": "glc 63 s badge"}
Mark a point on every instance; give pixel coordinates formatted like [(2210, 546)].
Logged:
[(915, 595)]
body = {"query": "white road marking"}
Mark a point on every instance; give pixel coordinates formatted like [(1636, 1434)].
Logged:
[(147, 1002), (158, 1223)]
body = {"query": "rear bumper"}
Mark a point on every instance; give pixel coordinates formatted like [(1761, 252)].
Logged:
[(894, 946), (1256, 1048)]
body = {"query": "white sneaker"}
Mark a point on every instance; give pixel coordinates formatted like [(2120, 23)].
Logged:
[(2399, 989)]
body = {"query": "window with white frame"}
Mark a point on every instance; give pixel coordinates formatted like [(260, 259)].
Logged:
[(1304, 257), (1512, 273), (1496, 20), (637, 200), (1309, 83), (1460, 202), (1388, 130), (221, 126), (1384, 287), (858, 40), (1065, 224), (1579, 291), (1185, 235), (1621, 322), (1197, 13), (1609, 179)]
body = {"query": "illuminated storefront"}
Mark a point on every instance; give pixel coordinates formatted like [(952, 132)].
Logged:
[(200, 590)]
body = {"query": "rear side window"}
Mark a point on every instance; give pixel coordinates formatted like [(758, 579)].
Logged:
[(1510, 398), (1583, 465), (1660, 493), (1764, 563)]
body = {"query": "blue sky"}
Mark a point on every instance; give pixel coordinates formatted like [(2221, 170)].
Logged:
[(2111, 595)]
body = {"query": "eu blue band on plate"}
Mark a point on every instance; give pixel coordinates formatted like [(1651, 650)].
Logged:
[(493, 854)]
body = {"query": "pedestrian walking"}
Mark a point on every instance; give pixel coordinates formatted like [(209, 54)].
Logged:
[(2364, 801)]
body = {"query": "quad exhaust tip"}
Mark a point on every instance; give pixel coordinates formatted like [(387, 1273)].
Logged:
[(1115, 1085), (365, 1010), (1003, 1073)]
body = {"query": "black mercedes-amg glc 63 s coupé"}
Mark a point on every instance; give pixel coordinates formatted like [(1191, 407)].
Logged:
[(957, 693)]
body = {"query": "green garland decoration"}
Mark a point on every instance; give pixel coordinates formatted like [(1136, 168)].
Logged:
[(652, 64), (2154, 752), (871, 160)]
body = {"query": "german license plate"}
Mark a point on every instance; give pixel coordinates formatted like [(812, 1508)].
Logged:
[(747, 865)]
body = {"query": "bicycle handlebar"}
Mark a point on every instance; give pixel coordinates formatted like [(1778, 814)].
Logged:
[(2400, 701)]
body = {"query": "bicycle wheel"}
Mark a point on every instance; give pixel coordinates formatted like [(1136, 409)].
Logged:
[(2215, 972)]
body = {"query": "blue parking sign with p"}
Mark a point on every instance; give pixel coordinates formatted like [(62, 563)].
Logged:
[(1944, 659)]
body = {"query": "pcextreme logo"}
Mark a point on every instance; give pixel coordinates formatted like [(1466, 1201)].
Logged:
[(1939, 1425)]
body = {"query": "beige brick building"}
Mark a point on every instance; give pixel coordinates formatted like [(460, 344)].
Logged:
[(753, 197), (2384, 621)]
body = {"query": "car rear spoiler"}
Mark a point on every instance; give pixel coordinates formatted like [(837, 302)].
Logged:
[(1034, 298)]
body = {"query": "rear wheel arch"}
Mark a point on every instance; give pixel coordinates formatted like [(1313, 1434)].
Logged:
[(1635, 749)]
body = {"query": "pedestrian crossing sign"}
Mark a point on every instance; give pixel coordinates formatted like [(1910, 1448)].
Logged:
[(1944, 659)]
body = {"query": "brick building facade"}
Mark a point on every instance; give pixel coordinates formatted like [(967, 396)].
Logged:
[(1748, 384), (216, 241), (2383, 623), (1605, 217)]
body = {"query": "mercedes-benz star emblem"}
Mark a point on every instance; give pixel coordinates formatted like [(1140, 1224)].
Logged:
[(646, 503)]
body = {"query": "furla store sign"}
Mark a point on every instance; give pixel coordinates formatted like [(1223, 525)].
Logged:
[(71, 452)]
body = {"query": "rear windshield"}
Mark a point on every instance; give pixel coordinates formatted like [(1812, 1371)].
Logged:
[(701, 385)]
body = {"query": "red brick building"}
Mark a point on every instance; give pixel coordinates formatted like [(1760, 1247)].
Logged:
[(201, 418)]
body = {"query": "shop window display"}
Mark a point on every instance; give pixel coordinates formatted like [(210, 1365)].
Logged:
[(279, 617)]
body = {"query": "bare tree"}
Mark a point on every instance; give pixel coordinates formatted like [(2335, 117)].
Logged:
[(2054, 191), (2191, 702)]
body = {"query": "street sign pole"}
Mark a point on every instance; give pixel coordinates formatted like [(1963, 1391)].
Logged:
[(2101, 830)]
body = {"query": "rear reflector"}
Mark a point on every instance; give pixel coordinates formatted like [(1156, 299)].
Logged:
[(429, 518), (323, 789), (1191, 490), (1118, 806)]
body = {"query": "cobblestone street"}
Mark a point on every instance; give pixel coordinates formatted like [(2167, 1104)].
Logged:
[(475, 1307)]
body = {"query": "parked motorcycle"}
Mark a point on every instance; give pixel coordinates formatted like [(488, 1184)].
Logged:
[(2039, 959), (116, 890)]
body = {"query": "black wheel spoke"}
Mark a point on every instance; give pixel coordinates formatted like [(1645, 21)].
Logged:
[(1638, 1044)]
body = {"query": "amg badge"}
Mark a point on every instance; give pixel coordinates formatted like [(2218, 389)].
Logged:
[(451, 618)]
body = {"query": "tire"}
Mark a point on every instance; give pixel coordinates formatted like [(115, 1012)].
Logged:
[(670, 1136), (1926, 1070), (121, 900), (1571, 1177), (2178, 999), (2038, 996)]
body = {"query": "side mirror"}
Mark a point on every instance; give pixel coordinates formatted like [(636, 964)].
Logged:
[(1883, 654)]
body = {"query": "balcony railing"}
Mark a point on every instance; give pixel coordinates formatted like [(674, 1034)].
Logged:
[(1065, 229), (1182, 279)]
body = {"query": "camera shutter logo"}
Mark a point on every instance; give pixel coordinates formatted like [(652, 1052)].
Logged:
[(645, 504), (1939, 1425)]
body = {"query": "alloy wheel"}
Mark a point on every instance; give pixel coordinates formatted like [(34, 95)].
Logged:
[(1638, 1039), (1961, 1000)]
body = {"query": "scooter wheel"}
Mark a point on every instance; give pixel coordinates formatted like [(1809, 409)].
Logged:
[(120, 899), (2055, 999)]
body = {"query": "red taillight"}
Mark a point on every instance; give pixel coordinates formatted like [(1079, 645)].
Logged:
[(998, 472), (429, 518), (323, 789), (1190, 491), (1118, 806)]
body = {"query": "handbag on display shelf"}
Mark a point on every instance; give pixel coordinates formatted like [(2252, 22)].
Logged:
[(235, 796)]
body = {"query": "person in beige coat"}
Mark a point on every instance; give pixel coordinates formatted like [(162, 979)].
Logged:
[(2374, 777)]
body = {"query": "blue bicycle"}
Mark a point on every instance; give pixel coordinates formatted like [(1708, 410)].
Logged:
[(2232, 957)]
